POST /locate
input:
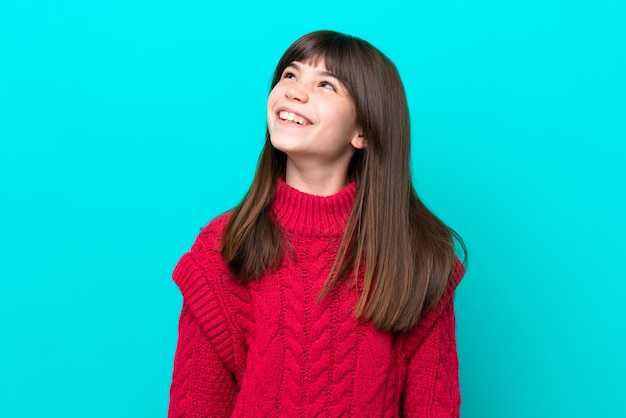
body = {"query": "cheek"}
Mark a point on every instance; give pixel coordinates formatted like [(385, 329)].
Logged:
[(343, 118), (271, 103), (273, 97)]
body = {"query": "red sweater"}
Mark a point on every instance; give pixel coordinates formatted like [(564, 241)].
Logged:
[(268, 349)]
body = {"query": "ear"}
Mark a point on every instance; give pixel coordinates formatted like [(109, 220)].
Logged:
[(358, 141)]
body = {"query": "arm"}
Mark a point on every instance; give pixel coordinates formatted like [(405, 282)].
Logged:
[(432, 382), (202, 385)]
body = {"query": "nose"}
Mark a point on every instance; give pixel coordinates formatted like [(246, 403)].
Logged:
[(297, 92)]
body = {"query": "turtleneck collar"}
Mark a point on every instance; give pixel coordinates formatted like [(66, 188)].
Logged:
[(305, 213)]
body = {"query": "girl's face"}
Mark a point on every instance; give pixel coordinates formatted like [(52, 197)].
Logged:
[(311, 117)]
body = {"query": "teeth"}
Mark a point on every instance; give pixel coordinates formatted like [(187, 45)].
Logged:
[(291, 117)]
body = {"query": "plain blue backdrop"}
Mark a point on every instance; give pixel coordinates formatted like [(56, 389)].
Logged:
[(126, 125)]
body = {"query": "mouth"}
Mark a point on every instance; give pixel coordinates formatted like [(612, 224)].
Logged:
[(291, 117)]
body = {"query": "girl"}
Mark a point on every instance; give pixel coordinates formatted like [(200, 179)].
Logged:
[(328, 290)]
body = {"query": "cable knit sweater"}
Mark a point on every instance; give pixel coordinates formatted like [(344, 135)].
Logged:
[(269, 349)]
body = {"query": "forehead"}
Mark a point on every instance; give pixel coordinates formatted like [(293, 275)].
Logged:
[(319, 67), (315, 56)]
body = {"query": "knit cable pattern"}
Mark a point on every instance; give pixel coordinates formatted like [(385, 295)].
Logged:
[(269, 348)]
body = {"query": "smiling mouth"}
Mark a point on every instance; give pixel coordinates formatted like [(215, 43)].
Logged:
[(292, 117)]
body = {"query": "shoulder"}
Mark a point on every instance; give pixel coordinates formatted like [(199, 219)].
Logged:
[(205, 253), (210, 236), (433, 317), (203, 276)]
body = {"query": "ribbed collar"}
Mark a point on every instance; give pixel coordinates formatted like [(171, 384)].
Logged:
[(304, 213)]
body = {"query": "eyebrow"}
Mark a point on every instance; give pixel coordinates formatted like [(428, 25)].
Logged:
[(317, 72)]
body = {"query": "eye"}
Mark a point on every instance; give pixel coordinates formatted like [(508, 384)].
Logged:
[(289, 74), (328, 85)]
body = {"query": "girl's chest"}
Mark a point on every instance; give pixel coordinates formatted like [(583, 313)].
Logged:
[(292, 324)]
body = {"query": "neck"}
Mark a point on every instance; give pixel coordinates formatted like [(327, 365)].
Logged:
[(319, 181), (304, 213)]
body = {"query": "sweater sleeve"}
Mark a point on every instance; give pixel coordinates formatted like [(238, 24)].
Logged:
[(432, 375), (432, 386), (211, 353), (201, 383)]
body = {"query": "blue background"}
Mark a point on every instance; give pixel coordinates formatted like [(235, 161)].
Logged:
[(126, 125)]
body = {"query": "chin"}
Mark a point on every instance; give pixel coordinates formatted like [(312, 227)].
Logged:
[(285, 145)]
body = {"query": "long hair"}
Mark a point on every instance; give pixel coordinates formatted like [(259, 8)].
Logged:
[(405, 252)]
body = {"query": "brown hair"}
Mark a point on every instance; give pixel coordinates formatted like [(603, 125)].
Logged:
[(406, 252)]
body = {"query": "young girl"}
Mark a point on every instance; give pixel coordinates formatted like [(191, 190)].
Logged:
[(328, 291)]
